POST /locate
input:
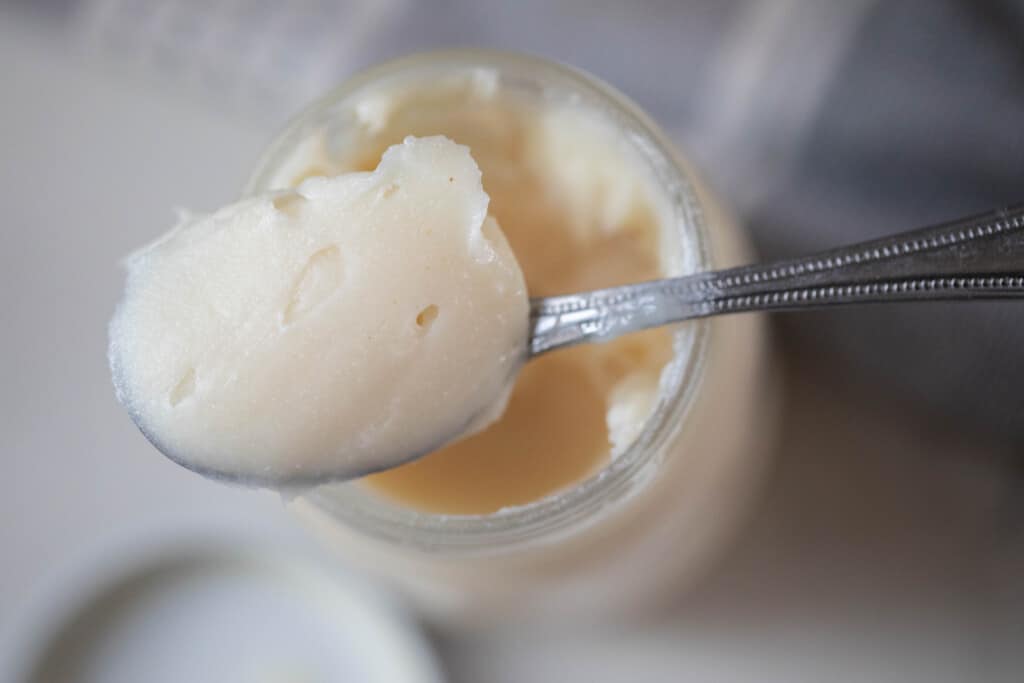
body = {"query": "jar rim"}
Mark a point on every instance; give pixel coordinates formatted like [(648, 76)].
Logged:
[(570, 509)]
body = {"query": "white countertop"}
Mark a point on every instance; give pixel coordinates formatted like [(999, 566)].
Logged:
[(886, 547)]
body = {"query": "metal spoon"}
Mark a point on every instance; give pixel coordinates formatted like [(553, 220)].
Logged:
[(980, 257)]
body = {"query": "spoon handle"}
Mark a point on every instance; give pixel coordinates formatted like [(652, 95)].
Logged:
[(980, 257)]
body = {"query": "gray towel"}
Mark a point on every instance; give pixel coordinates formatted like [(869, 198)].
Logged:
[(922, 120)]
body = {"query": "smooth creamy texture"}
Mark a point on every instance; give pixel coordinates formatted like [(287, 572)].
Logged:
[(345, 326), (581, 212)]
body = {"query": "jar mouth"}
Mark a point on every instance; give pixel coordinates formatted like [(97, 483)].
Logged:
[(586, 501)]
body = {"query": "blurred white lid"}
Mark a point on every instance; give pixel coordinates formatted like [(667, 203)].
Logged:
[(207, 613)]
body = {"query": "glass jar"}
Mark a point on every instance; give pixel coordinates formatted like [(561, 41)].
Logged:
[(650, 521)]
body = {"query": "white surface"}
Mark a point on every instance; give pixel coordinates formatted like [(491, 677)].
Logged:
[(886, 548), (75, 145)]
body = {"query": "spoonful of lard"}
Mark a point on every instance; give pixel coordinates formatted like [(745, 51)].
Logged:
[(358, 322)]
